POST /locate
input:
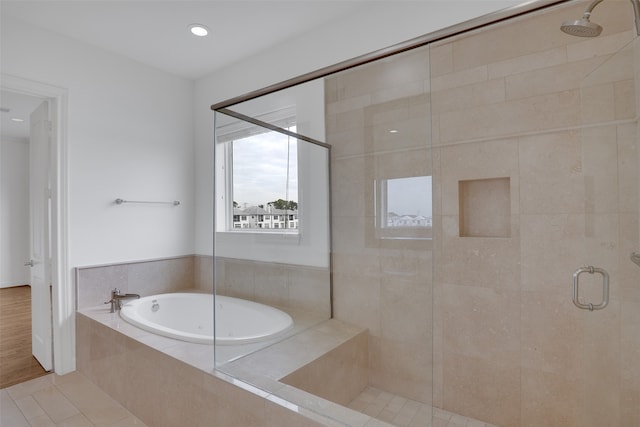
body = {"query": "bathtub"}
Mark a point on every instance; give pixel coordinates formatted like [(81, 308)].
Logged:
[(189, 317)]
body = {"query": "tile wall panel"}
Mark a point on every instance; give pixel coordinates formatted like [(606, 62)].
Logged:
[(557, 115)]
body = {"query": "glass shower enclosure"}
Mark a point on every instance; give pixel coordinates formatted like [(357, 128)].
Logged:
[(272, 238), (481, 197)]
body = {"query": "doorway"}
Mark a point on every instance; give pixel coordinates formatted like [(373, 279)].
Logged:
[(25, 223), (62, 297)]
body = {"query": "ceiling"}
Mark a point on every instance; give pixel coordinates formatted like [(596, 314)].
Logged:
[(156, 33)]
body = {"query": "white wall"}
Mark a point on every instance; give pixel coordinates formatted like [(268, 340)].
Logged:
[(381, 25), (130, 135), (14, 212)]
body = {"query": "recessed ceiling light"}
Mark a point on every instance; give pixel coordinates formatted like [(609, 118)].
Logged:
[(198, 30), (17, 119), (393, 131)]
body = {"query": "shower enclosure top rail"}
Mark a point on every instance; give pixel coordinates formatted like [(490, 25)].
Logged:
[(490, 18), (269, 126)]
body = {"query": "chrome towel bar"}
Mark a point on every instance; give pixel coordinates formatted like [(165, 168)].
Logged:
[(121, 201)]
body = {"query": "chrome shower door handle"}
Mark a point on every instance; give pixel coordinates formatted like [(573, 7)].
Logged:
[(605, 288)]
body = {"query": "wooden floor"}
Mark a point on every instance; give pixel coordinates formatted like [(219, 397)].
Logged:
[(17, 364)]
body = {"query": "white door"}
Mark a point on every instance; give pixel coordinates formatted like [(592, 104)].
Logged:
[(39, 191)]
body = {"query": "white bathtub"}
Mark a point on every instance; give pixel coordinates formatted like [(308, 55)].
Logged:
[(189, 317)]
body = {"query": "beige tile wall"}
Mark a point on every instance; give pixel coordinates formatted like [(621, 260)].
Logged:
[(380, 284), (284, 285), (300, 287), (340, 375), (163, 391), (94, 284), (556, 114)]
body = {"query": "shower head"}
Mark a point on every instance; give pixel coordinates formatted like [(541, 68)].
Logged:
[(582, 27)]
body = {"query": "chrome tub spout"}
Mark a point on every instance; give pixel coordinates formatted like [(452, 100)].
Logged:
[(117, 298)]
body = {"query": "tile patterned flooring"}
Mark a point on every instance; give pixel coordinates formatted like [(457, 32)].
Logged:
[(70, 400), (403, 412), (74, 401)]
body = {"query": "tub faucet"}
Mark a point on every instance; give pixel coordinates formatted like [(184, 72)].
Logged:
[(116, 299)]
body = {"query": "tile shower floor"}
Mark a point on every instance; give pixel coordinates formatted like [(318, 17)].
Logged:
[(403, 412), (70, 401)]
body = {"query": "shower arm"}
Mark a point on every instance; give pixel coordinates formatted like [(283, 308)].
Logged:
[(636, 12), (592, 6)]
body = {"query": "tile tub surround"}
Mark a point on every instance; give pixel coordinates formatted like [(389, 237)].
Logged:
[(95, 283), (339, 375), (146, 373), (284, 285), (295, 286)]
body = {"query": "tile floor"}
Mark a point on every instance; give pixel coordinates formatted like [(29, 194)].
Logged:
[(403, 412), (73, 401), (70, 400)]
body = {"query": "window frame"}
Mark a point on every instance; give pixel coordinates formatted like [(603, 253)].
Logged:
[(267, 217), (310, 246), (382, 230)]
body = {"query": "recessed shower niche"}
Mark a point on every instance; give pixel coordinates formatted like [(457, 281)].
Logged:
[(485, 207)]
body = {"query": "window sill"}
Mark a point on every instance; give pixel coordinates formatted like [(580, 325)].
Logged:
[(265, 236)]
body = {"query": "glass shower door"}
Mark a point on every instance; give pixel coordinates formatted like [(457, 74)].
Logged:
[(608, 319)]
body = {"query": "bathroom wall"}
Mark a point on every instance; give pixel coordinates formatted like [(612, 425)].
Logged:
[(311, 245), (401, 20), (129, 135), (535, 174), (380, 281), (284, 285), (14, 216), (552, 120), (95, 283)]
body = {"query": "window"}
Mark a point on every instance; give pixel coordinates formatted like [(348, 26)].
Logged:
[(403, 208), (305, 195), (262, 178)]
